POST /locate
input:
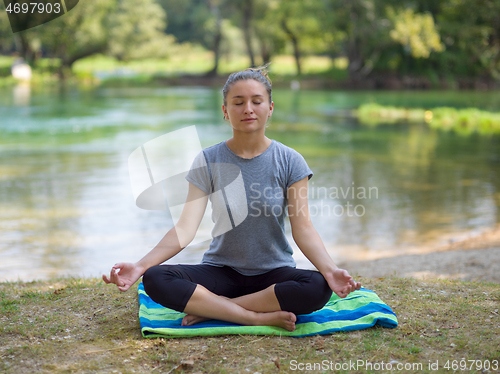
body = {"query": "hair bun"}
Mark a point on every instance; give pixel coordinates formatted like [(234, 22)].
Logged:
[(263, 69)]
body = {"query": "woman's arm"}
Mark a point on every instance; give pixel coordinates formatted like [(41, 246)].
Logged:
[(184, 231), (177, 238), (310, 243)]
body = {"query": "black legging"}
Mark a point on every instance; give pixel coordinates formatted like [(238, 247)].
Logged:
[(298, 291)]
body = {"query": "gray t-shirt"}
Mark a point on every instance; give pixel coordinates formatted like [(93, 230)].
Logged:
[(249, 198)]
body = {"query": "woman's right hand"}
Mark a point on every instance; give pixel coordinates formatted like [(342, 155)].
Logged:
[(124, 275)]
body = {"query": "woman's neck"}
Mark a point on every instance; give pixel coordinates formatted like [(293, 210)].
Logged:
[(248, 145)]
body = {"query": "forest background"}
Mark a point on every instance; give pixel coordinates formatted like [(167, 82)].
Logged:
[(368, 43)]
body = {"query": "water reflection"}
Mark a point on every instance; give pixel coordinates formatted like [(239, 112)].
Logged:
[(67, 208), (21, 94), (433, 187)]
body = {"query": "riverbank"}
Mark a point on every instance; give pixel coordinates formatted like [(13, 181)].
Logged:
[(476, 258), (83, 325), (190, 67), (335, 79)]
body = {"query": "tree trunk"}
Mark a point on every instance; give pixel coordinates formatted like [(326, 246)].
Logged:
[(295, 43), (354, 53), (217, 38), (67, 62), (24, 48), (266, 46), (61, 73), (247, 17), (265, 52)]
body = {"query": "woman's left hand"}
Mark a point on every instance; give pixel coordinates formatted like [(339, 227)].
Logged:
[(341, 282), (310, 243)]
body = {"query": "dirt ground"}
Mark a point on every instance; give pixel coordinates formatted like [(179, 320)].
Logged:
[(472, 259)]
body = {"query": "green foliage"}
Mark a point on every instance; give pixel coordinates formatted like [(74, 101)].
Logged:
[(438, 39), (6, 40), (188, 20), (123, 28), (271, 37), (462, 121), (470, 31), (374, 114), (136, 30), (5, 64), (417, 33), (466, 121), (304, 19), (364, 29), (79, 33)]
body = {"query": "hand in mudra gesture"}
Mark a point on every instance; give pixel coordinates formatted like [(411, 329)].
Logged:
[(124, 275), (341, 282)]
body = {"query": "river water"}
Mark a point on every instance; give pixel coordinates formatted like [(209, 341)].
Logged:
[(67, 208)]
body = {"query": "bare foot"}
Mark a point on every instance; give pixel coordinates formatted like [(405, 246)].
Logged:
[(282, 319), (190, 320)]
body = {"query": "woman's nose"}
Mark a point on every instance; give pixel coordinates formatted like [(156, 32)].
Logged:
[(248, 107)]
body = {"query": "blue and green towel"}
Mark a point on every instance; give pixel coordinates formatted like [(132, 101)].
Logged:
[(359, 310)]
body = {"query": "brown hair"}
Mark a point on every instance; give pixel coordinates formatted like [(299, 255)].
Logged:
[(259, 74)]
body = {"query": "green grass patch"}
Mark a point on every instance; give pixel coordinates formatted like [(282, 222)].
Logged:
[(197, 61), (5, 64), (83, 325), (462, 121)]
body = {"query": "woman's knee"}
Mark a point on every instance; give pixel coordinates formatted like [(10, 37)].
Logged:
[(317, 292), (304, 296), (166, 285), (324, 290), (151, 280)]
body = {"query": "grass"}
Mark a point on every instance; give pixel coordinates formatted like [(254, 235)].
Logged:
[(183, 60), (462, 121), (198, 61), (83, 325), (43, 72)]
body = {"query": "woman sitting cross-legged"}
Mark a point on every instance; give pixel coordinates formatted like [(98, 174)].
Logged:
[(248, 275)]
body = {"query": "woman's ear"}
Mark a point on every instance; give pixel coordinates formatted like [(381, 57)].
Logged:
[(224, 112), (271, 109)]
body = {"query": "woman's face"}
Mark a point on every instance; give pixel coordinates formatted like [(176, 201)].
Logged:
[(248, 107)]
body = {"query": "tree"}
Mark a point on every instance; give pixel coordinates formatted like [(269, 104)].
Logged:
[(470, 29), (241, 14), (301, 22), (365, 30), (198, 22), (126, 29), (187, 19), (79, 33), (6, 41), (247, 15), (26, 44), (386, 35), (271, 37), (217, 34), (136, 30)]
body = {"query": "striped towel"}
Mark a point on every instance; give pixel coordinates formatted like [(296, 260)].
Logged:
[(359, 310)]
